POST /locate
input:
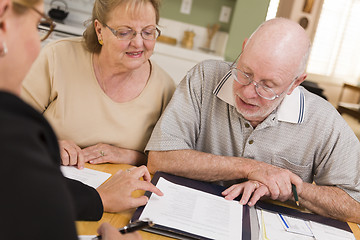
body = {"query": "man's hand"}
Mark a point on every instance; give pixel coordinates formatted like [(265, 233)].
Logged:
[(116, 193), (277, 180), (251, 192)]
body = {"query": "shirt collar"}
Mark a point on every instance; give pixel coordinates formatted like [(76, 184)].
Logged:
[(291, 109)]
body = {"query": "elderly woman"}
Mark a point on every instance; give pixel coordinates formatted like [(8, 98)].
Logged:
[(101, 92)]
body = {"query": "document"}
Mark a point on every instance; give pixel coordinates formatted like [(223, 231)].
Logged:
[(323, 232), (295, 225), (195, 212), (86, 237), (87, 176), (273, 227)]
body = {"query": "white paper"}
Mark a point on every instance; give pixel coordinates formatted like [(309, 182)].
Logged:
[(86, 237), (87, 176), (271, 228), (260, 221), (295, 225), (324, 232), (195, 212)]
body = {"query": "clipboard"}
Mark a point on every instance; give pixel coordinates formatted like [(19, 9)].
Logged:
[(249, 219)]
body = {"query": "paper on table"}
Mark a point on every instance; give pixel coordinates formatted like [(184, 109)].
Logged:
[(87, 176), (295, 225), (272, 229), (324, 232), (195, 212), (86, 237)]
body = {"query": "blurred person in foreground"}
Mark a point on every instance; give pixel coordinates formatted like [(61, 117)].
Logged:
[(101, 93), (37, 201), (251, 122)]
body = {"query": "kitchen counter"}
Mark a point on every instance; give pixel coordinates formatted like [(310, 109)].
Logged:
[(73, 28), (177, 60), (195, 55)]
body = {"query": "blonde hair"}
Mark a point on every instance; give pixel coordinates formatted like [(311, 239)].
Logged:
[(101, 11)]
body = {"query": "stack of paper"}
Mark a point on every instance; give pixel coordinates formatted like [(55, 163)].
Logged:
[(275, 226), (194, 212), (87, 176)]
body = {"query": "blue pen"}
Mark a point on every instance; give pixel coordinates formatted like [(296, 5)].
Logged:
[(287, 226)]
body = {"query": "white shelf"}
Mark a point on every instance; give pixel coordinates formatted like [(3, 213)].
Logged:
[(194, 55), (177, 61)]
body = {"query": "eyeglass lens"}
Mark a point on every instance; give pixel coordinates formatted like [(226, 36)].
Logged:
[(261, 90), (128, 33)]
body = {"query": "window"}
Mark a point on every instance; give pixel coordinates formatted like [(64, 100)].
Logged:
[(272, 9), (335, 54), (336, 47)]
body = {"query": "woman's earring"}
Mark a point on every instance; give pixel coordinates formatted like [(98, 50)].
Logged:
[(3, 50), (101, 41)]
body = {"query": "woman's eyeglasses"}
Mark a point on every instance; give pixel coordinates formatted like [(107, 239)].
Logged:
[(127, 34)]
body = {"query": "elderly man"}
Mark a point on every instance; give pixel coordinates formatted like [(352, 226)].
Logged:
[(251, 120)]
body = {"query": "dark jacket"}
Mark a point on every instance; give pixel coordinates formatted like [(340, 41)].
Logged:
[(37, 201)]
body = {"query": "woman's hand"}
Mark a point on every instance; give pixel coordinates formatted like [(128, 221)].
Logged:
[(116, 193), (105, 153), (108, 232), (251, 192), (71, 154)]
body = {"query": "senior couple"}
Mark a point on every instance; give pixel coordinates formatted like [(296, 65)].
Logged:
[(247, 125)]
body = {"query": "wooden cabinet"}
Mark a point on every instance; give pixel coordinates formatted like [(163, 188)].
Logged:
[(349, 100)]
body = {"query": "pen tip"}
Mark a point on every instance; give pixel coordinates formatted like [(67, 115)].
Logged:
[(297, 203)]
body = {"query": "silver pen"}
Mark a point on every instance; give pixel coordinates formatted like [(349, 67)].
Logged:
[(132, 227)]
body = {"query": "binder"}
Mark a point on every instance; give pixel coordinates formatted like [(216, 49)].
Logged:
[(249, 219), (251, 228)]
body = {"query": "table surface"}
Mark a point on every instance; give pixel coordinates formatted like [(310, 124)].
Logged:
[(121, 219)]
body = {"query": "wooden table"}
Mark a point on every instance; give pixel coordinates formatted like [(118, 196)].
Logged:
[(121, 219)]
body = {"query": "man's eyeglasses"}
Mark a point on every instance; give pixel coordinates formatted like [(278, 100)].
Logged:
[(262, 90), (126, 34), (46, 25)]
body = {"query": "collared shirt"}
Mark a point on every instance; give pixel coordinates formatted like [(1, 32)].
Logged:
[(305, 134)]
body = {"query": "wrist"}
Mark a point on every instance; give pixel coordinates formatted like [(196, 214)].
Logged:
[(245, 166), (103, 199)]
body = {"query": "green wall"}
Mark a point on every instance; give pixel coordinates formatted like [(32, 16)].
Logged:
[(203, 12), (246, 15)]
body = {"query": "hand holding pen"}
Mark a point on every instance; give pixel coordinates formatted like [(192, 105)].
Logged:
[(293, 187), (107, 232)]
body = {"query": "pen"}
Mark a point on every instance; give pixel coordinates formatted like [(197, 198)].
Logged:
[(132, 227), (295, 194)]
